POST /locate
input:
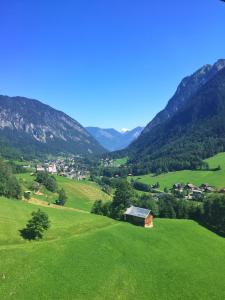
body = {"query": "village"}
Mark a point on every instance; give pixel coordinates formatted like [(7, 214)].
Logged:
[(71, 167), (190, 191)]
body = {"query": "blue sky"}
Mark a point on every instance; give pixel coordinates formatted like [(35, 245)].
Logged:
[(108, 63)]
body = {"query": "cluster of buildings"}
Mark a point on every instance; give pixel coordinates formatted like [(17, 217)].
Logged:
[(107, 162), (68, 167), (191, 191)]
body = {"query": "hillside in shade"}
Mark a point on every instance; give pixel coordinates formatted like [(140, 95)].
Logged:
[(191, 128)]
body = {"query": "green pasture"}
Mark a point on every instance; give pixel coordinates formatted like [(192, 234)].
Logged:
[(215, 178), (120, 161), (84, 256), (81, 194)]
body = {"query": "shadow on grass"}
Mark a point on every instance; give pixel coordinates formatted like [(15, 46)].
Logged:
[(213, 229)]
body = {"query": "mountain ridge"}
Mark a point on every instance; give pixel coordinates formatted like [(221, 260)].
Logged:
[(28, 123), (194, 132), (185, 90)]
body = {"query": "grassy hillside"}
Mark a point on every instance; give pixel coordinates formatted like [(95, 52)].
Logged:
[(215, 178), (85, 256), (81, 194), (120, 161)]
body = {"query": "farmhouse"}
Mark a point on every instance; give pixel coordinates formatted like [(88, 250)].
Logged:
[(139, 216)]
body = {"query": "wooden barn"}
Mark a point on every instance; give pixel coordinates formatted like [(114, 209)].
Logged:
[(139, 216)]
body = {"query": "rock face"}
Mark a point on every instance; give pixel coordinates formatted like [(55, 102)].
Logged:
[(32, 126), (186, 89), (112, 139)]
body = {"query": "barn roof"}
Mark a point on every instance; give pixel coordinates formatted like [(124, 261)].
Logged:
[(137, 211)]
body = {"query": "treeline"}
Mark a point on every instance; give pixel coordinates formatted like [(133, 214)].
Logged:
[(213, 215), (121, 171), (166, 164), (140, 186), (210, 212), (9, 186), (157, 166)]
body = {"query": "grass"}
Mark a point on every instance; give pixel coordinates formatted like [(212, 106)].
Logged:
[(84, 256), (120, 161), (215, 178), (14, 215), (81, 194)]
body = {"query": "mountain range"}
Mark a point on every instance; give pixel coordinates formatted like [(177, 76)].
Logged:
[(29, 127), (189, 129), (112, 139)]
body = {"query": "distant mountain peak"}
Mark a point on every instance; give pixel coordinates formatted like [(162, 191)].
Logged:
[(112, 139), (124, 130)]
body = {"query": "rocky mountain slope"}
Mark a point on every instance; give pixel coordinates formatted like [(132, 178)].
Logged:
[(193, 130), (31, 127), (112, 139), (186, 89)]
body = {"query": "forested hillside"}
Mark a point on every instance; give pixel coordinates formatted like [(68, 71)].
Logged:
[(196, 131)]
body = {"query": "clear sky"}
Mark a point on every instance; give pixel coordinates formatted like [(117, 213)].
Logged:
[(106, 63)]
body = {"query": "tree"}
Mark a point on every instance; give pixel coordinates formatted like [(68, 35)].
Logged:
[(146, 201), (13, 188), (122, 198), (166, 190), (62, 198), (48, 181), (36, 226), (97, 207), (166, 206), (9, 185), (51, 184), (214, 212)]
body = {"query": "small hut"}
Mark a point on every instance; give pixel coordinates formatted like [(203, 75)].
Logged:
[(139, 216)]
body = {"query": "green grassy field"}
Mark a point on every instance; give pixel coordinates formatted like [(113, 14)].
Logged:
[(81, 194), (215, 178), (120, 161), (84, 256)]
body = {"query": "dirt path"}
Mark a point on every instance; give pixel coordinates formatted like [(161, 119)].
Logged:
[(45, 204)]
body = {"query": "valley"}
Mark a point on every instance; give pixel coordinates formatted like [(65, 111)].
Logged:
[(90, 211)]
